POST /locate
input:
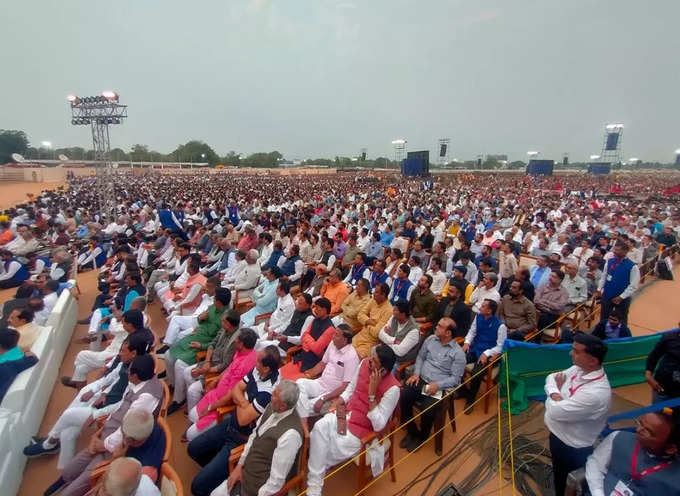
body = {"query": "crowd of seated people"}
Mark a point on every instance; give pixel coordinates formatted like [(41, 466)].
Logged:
[(315, 307)]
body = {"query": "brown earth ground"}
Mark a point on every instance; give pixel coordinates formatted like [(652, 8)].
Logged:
[(12, 193)]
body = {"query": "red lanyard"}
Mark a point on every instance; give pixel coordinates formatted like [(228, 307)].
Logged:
[(639, 475), (614, 265), (573, 389)]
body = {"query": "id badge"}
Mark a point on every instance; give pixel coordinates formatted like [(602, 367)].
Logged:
[(621, 489), (609, 278)]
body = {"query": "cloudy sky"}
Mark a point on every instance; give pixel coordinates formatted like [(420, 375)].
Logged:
[(315, 78)]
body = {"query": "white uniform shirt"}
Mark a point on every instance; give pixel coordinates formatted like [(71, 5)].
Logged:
[(580, 416)]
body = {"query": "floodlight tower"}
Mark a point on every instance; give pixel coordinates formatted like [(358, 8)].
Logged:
[(99, 112), (611, 144), (444, 151), (399, 150)]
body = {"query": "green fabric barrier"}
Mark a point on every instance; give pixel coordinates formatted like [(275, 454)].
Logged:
[(529, 365)]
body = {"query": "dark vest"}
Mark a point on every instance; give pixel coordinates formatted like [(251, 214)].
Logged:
[(258, 463), (487, 334), (288, 267), (400, 335), (153, 386), (376, 279), (620, 277), (400, 287), (325, 257), (662, 482)]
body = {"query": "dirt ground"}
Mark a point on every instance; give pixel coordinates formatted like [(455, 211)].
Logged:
[(12, 193)]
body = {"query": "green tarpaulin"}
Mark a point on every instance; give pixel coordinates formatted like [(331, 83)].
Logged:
[(529, 365)]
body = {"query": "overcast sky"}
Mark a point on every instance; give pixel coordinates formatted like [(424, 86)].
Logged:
[(319, 78)]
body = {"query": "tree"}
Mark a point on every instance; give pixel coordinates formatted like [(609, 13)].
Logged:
[(262, 160), (139, 153), (12, 141), (196, 151)]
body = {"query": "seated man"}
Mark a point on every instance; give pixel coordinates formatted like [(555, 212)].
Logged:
[(415, 272), (185, 298), (612, 328), (291, 334), (357, 271), (317, 278), (132, 321), (270, 454), (181, 325), (21, 319), (353, 304), (402, 287), (644, 462), (423, 301), (144, 392), (98, 399), (190, 380), (12, 272), (204, 414), (314, 341), (372, 318), (335, 291), (251, 396), (264, 296), (459, 276), (283, 312), (452, 306), (337, 367), (401, 333), (517, 312), (186, 348), (484, 341), (439, 367), (124, 476), (487, 289), (246, 279), (13, 361), (576, 286), (379, 275), (551, 299), (117, 305), (366, 406)]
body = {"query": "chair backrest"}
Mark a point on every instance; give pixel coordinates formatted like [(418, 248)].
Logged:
[(166, 399), (163, 424), (171, 484)]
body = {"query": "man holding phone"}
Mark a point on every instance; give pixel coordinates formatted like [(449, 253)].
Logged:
[(365, 406)]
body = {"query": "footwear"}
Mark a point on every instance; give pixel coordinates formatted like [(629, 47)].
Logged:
[(174, 406), (86, 340), (414, 444), (56, 487), (37, 449), (85, 321), (68, 382), (469, 406), (162, 375), (405, 442), (162, 349)]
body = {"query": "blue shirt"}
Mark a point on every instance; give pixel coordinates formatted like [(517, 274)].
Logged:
[(12, 354)]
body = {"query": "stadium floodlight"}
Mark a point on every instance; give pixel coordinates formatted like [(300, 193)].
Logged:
[(613, 127), (110, 95), (399, 142), (99, 112), (46, 144), (633, 159), (594, 157), (677, 152), (533, 153)]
